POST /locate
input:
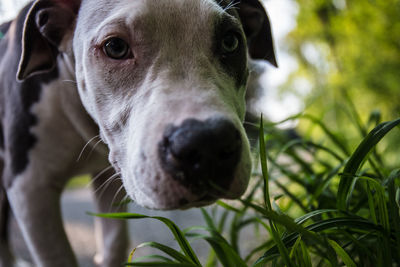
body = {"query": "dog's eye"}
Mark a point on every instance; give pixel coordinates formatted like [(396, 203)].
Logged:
[(230, 43), (116, 48)]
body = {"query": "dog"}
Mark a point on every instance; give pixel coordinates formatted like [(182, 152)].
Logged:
[(155, 89)]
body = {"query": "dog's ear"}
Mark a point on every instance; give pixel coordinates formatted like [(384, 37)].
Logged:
[(257, 28), (46, 24)]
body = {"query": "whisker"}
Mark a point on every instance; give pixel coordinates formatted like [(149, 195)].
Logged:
[(106, 184), (94, 147), (231, 5), (83, 149), (99, 175), (109, 179), (115, 196), (70, 81), (220, 2), (126, 199)]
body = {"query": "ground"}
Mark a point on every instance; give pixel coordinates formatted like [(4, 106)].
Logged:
[(80, 228)]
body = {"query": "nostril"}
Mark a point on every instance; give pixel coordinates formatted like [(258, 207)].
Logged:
[(193, 157), (228, 152), (182, 152), (231, 145), (201, 151)]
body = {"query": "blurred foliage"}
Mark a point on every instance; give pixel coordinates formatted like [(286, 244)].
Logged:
[(349, 56)]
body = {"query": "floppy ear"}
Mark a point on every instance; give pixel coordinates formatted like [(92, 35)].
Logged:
[(45, 25), (257, 28)]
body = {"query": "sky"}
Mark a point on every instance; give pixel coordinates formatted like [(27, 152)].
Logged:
[(282, 15)]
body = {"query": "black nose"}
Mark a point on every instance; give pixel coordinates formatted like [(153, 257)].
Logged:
[(201, 153)]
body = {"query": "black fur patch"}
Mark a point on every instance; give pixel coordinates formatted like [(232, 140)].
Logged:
[(1, 136), (4, 216), (22, 139), (17, 101)]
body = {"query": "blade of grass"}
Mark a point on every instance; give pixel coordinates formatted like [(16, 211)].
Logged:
[(152, 257), (356, 160), (309, 215), (290, 174), (300, 254), (305, 254), (212, 259), (371, 203), (379, 199), (394, 210), (258, 249), (223, 250), (225, 253), (208, 220), (339, 143), (285, 221), (294, 247), (222, 221), (167, 250), (325, 182), (227, 206), (234, 231), (262, 261), (356, 223), (160, 263), (292, 197), (264, 168), (179, 236), (131, 255), (342, 254), (363, 252)]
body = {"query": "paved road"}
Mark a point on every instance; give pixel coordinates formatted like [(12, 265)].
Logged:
[(80, 229)]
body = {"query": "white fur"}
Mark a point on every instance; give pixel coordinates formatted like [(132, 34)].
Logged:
[(183, 81), (174, 76)]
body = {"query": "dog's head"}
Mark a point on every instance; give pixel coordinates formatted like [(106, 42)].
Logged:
[(165, 81)]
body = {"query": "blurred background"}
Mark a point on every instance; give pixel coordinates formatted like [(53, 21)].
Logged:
[(339, 61), (333, 55)]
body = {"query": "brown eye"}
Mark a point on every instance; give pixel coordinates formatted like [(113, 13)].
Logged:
[(230, 43), (116, 48)]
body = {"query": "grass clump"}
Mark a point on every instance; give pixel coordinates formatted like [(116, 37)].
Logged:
[(310, 204)]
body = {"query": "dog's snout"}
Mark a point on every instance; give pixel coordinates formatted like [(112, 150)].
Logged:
[(195, 143), (201, 153)]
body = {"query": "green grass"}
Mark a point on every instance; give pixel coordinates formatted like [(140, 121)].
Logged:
[(312, 203), (79, 182)]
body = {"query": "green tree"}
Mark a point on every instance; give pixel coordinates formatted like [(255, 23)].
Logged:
[(349, 54)]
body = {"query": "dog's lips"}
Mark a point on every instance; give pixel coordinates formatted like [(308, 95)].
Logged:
[(205, 201), (204, 195)]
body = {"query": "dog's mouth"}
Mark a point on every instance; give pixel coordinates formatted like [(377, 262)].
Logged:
[(205, 200)]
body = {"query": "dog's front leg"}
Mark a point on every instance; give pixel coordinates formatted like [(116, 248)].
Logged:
[(36, 206), (6, 257), (111, 235)]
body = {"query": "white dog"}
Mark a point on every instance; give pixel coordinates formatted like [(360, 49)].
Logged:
[(161, 83)]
